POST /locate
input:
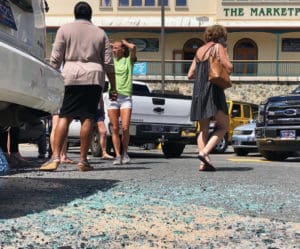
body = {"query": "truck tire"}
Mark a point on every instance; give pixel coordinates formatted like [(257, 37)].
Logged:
[(240, 152), (221, 146), (275, 155), (95, 144), (172, 149)]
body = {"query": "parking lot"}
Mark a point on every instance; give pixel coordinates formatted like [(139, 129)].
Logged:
[(153, 203)]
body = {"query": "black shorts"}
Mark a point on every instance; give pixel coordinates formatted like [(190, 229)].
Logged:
[(81, 102)]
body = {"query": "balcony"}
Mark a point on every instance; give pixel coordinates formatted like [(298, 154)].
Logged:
[(260, 70)]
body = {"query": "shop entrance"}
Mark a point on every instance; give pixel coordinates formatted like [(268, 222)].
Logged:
[(245, 49)]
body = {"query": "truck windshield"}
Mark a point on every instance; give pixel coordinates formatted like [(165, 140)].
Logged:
[(23, 4)]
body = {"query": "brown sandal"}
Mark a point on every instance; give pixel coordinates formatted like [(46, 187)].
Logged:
[(84, 165)]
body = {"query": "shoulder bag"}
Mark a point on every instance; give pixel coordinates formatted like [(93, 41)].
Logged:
[(217, 73)]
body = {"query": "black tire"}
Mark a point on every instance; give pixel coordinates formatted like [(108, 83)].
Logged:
[(241, 152), (275, 155), (221, 146), (95, 144), (172, 149), (95, 147)]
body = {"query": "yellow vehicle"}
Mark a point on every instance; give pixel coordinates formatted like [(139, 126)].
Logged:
[(240, 113)]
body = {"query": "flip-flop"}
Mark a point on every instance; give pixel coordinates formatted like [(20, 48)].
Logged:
[(208, 168), (207, 165)]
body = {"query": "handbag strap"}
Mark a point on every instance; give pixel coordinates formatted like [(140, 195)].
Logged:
[(209, 49)]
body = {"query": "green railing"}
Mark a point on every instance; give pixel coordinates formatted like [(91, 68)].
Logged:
[(174, 68)]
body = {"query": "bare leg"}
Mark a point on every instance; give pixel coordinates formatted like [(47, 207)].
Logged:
[(55, 119), (63, 154), (202, 138), (114, 120), (222, 123), (60, 135), (125, 117), (103, 133), (203, 135), (85, 138)]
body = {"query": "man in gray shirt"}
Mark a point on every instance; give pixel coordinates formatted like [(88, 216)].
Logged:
[(85, 52)]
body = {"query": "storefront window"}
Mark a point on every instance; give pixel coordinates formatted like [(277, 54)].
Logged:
[(123, 2), (137, 3), (180, 2), (165, 2), (105, 3), (149, 2)]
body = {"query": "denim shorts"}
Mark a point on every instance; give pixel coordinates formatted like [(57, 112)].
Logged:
[(122, 102)]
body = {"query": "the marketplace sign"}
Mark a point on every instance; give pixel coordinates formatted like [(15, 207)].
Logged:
[(261, 12)]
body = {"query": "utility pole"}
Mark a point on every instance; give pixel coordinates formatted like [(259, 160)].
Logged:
[(162, 38)]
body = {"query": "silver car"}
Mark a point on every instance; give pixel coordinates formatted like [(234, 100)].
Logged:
[(243, 139)]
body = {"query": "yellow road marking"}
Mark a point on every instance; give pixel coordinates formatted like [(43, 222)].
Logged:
[(247, 160)]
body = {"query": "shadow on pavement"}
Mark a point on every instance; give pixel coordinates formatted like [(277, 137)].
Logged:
[(123, 167), (234, 169), (20, 197)]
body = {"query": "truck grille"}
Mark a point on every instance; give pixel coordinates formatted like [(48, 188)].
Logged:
[(283, 113)]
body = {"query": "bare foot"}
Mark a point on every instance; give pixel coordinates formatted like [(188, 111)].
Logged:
[(107, 156), (67, 161)]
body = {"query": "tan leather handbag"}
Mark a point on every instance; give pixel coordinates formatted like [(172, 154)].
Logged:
[(217, 73)]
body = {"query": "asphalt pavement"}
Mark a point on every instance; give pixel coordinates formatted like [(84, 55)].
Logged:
[(154, 202)]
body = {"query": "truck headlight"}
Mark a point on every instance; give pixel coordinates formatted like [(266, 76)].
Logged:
[(261, 114)]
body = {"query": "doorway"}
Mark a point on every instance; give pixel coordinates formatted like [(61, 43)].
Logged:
[(189, 50), (245, 49)]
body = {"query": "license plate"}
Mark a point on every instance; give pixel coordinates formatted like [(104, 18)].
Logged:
[(288, 134)]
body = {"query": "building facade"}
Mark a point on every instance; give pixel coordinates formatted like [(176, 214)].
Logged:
[(263, 38)]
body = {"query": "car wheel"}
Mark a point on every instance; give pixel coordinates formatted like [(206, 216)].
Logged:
[(95, 144), (95, 147), (172, 149), (221, 146), (241, 152), (275, 155)]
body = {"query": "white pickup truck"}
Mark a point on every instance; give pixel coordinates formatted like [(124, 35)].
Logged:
[(156, 119)]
